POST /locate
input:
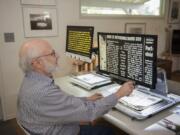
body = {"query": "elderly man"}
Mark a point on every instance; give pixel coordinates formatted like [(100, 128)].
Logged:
[(44, 109)]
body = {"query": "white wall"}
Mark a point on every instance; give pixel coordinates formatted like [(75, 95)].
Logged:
[(11, 20), (1, 88)]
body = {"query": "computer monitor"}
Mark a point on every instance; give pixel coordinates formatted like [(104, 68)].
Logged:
[(128, 57), (79, 40)]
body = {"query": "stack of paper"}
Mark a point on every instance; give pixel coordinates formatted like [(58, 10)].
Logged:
[(139, 100)]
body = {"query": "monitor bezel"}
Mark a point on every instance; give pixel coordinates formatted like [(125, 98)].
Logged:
[(116, 76), (81, 28)]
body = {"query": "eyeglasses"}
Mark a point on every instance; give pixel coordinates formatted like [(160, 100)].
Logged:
[(53, 54)]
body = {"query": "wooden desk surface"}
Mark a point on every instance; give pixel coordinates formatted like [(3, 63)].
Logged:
[(115, 117)]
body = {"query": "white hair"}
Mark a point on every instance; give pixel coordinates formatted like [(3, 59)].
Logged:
[(26, 59)]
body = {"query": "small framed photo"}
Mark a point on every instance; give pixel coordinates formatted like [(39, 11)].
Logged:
[(39, 2), (174, 11), (135, 28), (40, 22)]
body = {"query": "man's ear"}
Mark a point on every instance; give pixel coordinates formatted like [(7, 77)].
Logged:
[(36, 64)]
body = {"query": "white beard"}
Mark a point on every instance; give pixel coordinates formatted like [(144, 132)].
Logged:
[(50, 68)]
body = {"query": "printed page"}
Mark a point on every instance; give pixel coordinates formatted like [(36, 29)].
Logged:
[(167, 126)]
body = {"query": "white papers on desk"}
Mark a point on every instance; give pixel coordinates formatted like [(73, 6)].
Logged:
[(139, 100), (167, 126)]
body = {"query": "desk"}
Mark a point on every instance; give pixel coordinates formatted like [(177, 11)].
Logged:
[(115, 117)]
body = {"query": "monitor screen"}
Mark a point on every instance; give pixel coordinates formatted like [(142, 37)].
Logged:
[(79, 40), (128, 57)]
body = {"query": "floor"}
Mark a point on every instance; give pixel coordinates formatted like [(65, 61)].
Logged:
[(10, 127)]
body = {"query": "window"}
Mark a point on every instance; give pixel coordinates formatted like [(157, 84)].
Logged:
[(152, 8)]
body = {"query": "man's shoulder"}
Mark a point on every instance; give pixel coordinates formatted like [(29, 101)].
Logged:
[(33, 86)]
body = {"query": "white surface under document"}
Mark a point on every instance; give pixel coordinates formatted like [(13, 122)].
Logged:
[(90, 80)]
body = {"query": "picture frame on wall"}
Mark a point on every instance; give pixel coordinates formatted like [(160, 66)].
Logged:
[(174, 11), (39, 2), (135, 28), (40, 22)]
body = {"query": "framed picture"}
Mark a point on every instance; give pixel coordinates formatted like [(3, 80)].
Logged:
[(174, 11), (135, 28), (39, 2), (40, 22)]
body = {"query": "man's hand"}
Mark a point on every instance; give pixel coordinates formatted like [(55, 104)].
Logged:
[(125, 90), (95, 97)]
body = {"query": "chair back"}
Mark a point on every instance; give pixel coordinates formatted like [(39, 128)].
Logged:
[(23, 129)]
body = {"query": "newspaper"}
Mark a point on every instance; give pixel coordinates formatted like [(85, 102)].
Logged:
[(170, 125)]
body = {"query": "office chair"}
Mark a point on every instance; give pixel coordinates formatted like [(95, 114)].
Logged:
[(23, 129)]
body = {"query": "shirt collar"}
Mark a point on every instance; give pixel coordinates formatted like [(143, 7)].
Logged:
[(38, 76)]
